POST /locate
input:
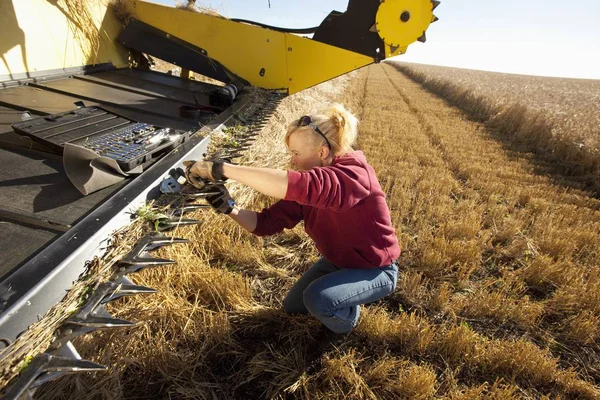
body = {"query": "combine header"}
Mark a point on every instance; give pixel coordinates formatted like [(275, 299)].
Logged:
[(89, 133)]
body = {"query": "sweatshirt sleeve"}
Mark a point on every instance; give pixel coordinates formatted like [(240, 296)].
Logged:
[(272, 220), (338, 187)]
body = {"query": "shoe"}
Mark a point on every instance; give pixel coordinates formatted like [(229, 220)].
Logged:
[(327, 337)]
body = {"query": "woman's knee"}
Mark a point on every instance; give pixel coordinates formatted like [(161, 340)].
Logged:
[(315, 302)]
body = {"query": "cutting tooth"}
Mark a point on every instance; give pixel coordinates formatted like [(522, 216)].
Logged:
[(422, 39), (434, 19), (139, 255), (162, 240), (373, 28), (61, 364), (182, 210), (47, 364), (128, 290), (67, 352), (145, 261), (393, 48), (435, 3), (95, 321), (168, 224)]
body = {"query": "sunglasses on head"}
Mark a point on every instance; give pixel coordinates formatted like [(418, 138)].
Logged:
[(307, 121)]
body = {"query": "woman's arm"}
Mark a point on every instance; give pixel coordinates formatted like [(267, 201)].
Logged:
[(246, 219), (272, 182)]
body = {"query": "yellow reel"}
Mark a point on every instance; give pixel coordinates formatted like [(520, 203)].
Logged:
[(402, 22)]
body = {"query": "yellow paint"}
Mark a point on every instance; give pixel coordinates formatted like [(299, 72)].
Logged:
[(243, 49), (310, 62), (289, 62), (396, 33), (40, 35)]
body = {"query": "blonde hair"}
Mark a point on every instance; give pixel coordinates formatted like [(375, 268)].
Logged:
[(337, 123)]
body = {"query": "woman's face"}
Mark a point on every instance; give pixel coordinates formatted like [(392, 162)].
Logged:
[(304, 151)]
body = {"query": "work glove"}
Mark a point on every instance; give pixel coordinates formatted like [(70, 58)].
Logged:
[(198, 173), (221, 202)]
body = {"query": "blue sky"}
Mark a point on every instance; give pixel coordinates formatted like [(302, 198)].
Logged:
[(550, 38)]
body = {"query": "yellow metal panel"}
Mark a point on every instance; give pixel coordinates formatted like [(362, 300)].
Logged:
[(311, 62), (394, 51), (243, 49), (40, 35), (289, 61)]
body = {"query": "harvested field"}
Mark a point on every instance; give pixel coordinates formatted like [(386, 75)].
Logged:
[(498, 295), (573, 105), (557, 119)]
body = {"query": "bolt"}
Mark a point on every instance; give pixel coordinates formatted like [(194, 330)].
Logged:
[(289, 49), (405, 16)]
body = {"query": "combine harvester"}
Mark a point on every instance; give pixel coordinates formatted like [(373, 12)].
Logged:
[(89, 133)]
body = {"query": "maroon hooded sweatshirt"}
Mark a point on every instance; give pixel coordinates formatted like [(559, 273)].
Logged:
[(344, 212)]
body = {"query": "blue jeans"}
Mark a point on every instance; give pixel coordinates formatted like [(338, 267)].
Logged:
[(334, 294)]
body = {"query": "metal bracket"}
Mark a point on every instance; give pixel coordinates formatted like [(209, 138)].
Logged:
[(170, 185), (25, 115)]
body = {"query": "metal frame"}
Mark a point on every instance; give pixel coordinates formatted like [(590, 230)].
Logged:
[(47, 75), (29, 292)]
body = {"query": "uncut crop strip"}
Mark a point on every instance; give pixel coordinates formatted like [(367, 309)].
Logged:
[(572, 105), (477, 224)]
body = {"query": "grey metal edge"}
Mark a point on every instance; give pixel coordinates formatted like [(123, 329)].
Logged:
[(51, 289)]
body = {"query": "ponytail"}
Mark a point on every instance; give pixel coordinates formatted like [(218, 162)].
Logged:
[(343, 128)]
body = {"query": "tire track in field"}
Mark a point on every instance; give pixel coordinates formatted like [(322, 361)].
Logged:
[(425, 197), (433, 137)]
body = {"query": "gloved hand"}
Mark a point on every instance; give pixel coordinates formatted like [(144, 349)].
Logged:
[(207, 171), (222, 202)]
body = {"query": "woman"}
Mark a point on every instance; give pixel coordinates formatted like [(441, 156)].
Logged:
[(335, 191)]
